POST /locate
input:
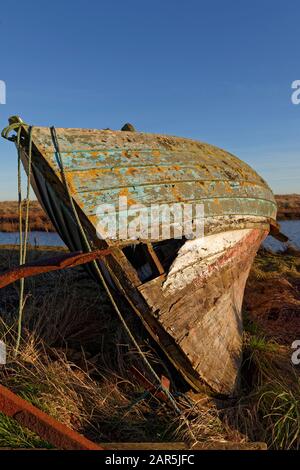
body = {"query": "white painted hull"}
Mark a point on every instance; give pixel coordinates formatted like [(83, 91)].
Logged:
[(200, 303)]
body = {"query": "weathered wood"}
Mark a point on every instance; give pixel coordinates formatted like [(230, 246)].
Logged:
[(194, 314), (199, 303), (155, 258), (213, 445), (102, 165)]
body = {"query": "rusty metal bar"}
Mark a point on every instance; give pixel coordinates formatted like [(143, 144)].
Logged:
[(48, 428), (66, 261)]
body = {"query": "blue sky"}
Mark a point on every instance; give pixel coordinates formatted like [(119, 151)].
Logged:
[(218, 71)]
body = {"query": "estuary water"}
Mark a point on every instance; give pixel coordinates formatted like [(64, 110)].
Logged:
[(35, 239), (291, 228)]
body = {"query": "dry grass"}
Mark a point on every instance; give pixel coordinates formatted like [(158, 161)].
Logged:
[(269, 405), (272, 296), (288, 206), (9, 219), (75, 363)]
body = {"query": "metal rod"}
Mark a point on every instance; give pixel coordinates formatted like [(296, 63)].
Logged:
[(65, 261)]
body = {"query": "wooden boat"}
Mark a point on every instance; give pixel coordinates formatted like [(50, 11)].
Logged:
[(187, 292)]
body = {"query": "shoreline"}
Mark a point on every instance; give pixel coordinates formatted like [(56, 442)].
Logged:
[(9, 218), (288, 209)]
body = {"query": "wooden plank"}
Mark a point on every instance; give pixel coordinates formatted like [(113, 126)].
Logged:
[(113, 181), (177, 193), (155, 258), (90, 176), (213, 445)]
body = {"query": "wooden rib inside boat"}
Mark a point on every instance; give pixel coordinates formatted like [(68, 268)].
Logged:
[(187, 292)]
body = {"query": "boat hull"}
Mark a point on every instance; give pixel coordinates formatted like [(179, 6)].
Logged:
[(200, 304), (192, 308)]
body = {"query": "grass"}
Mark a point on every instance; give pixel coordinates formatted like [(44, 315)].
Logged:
[(268, 406), (9, 219), (75, 363), (288, 206), (12, 435), (280, 410), (271, 265), (272, 296), (103, 404)]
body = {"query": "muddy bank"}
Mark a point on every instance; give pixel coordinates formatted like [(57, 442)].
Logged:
[(288, 206)]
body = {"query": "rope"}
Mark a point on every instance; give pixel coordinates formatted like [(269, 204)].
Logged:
[(27, 195), (15, 126), (102, 279), (20, 196), (23, 243)]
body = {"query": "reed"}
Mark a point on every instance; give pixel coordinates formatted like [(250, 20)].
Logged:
[(9, 220), (75, 363)]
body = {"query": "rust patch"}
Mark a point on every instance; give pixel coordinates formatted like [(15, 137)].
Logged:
[(176, 193), (125, 192), (131, 171)]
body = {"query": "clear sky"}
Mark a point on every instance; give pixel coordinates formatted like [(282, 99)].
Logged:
[(218, 71)]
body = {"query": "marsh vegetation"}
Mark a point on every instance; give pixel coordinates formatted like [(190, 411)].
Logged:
[(76, 362)]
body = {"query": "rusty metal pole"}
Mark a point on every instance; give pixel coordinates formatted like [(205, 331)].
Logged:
[(48, 428), (64, 261)]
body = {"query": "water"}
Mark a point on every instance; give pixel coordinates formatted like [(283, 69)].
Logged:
[(35, 239), (291, 228)]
